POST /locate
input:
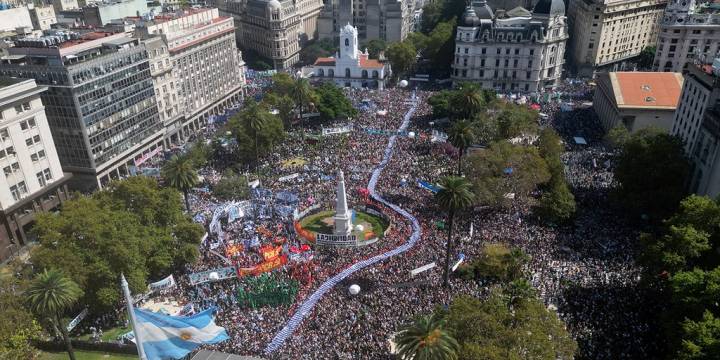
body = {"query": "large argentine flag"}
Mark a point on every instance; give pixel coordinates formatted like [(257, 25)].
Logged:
[(173, 337)]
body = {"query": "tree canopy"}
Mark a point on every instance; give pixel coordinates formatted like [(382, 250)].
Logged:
[(402, 57), (256, 131), (332, 103), (652, 170), (503, 169), (17, 325), (494, 329), (132, 226)]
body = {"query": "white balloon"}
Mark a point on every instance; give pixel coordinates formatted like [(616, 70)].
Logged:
[(411, 134), (214, 276), (354, 289), (359, 227), (403, 83)]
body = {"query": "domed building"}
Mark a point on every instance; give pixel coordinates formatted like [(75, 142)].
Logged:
[(511, 51)]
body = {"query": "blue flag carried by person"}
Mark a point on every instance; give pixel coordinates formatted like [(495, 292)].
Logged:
[(173, 337)]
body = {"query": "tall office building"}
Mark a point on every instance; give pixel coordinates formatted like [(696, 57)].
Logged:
[(100, 101), (274, 29), (606, 33), (388, 20), (198, 70), (33, 179), (522, 51), (697, 122), (687, 30)]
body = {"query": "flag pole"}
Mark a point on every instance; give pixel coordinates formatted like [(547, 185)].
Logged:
[(131, 313)]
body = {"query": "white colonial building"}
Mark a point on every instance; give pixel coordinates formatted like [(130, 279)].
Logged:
[(350, 67), (516, 51)]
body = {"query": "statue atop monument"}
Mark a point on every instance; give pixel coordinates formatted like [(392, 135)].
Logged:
[(343, 222)]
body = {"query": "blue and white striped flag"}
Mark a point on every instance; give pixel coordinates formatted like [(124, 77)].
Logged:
[(173, 337)]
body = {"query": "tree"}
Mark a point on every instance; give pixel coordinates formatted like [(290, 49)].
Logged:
[(466, 101), (688, 237), (285, 106), (495, 329), (440, 103), (426, 339), (418, 40), (51, 294), (17, 326), (516, 121), (303, 94), (440, 47), (132, 226), (431, 16), (700, 339), (646, 58), (179, 172), (549, 144), (462, 136), (455, 194), (652, 171), (402, 57), (231, 187), (499, 263), (503, 169), (557, 204), (617, 137), (312, 52), (256, 131), (375, 47), (333, 104)]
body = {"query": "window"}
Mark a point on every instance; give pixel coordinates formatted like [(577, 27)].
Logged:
[(28, 141), (36, 139), (7, 170), (15, 167), (4, 134), (22, 108), (41, 179), (48, 174), (24, 125), (34, 157), (532, 52), (32, 123), (10, 150), (15, 193), (22, 188)]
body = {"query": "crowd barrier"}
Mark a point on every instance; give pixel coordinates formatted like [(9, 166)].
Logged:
[(306, 307)]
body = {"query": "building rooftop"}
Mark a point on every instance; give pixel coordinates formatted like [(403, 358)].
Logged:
[(650, 90), (7, 81)]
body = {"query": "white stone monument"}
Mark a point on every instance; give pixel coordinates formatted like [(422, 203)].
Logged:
[(343, 223)]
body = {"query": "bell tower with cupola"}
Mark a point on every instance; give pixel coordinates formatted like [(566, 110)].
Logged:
[(349, 43)]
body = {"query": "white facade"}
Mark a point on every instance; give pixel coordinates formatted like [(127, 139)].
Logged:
[(521, 53), (274, 29), (27, 155), (687, 30), (18, 17), (206, 68), (350, 67), (608, 32), (42, 16)]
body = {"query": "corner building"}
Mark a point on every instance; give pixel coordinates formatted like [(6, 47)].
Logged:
[(606, 33), (100, 102), (33, 180), (521, 52), (688, 31)]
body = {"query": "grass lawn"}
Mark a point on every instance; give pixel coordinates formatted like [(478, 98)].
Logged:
[(315, 222), (85, 355), (378, 224), (108, 335)]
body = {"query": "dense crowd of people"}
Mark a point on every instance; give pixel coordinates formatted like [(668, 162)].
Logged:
[(586, 270)]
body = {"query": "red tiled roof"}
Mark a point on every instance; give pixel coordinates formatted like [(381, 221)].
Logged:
[(325, 61), (647, 89), (366, 63)]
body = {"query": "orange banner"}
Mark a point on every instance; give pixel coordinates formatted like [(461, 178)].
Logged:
[(269, 252), (233, 250)]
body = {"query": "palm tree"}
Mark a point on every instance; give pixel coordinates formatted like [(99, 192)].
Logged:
[(51, 294), (426, 339), (256, 123), (471, 99), (180, 173), (302, 92), (462, 136), (455, 194)]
